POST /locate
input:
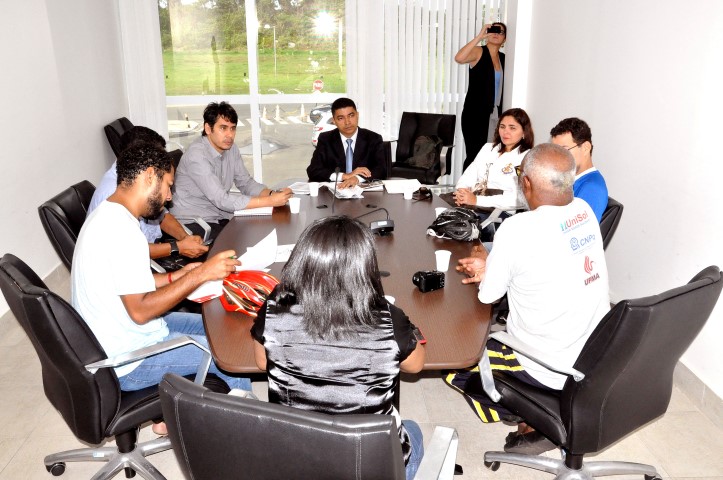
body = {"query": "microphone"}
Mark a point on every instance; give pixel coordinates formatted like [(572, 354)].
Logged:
[(382, 227), (336, 181)]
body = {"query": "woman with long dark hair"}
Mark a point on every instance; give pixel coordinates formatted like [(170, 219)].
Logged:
[(491, 180), (327, 336)]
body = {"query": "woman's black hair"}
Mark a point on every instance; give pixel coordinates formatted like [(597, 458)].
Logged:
[(333, 274)]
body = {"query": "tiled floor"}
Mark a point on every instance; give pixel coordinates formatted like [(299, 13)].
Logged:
[(683, 444)]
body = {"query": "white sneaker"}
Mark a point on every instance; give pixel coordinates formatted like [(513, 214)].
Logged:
[(237, 392)]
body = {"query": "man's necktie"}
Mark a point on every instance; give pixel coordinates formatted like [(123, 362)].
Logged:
[(349, 156)]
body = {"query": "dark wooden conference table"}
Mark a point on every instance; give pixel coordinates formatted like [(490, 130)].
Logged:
[(453, 321)]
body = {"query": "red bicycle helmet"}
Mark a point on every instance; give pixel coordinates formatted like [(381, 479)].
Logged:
[(246, 291)]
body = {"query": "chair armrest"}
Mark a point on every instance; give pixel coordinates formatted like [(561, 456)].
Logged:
[(439, 456), (206, 228), (157, 268), (155, 349), (488, 381), (537, 355), (494, 217), (444, 159)]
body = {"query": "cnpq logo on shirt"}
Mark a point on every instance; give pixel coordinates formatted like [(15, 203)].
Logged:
[(581, 242), (588, 267)]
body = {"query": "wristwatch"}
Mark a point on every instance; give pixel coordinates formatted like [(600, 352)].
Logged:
[(174, 247)]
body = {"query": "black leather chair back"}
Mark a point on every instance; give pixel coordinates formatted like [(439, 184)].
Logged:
[(220, 436), (629, 360), (64, 345), (63, 216), (610, 220), (414, 125), (114, 131)]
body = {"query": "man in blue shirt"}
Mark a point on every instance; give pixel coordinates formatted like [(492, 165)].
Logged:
[(574, 134), (179, 241)]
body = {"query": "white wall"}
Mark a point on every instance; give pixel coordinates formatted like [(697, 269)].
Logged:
[(647, 76), (61, 81)]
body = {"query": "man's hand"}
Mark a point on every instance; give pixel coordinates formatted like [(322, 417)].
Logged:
[(349, 182), (464, 196), (191, 246), (280, 198), (474, 265), (483, 33), (361, 171), (219, 266)]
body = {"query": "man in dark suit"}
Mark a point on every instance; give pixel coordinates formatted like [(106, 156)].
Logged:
[(357, 152)]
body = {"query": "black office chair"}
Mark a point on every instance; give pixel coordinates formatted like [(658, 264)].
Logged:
[(79, 383), (63, 216), (610, 220), (622, 380), (414, 125), (115, 130), (219, 436)]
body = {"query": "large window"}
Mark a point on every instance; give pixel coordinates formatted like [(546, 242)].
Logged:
[(274, 60)]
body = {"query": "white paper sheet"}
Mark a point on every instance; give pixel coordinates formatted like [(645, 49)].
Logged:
[(254, 212), (260, 255), (401, 186), (207, 291), (300, 188)]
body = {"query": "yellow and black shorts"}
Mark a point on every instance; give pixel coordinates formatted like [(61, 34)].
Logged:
[(468, 382)]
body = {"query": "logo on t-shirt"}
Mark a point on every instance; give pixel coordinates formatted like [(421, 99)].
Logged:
[(577, 243), (574, 222), (508, 169), (588, 269)]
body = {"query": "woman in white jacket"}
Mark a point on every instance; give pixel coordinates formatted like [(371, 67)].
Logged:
[(491, 181)]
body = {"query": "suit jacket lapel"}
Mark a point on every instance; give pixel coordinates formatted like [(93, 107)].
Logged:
[(338, 148), (358, 147)]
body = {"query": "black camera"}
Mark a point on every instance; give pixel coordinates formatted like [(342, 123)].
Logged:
[(428, 280), (494, 29)]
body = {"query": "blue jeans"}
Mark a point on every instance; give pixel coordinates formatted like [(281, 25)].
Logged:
[(182, 361), (416, 437)]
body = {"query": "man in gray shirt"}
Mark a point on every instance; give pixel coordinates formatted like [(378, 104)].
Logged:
[(209, 168)]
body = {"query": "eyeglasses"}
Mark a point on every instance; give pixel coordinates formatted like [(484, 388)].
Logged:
[(518, 170), (574, 146)]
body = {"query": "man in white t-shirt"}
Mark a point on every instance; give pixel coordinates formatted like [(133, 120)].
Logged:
[(190, 246), (550, 263), (114, 290)]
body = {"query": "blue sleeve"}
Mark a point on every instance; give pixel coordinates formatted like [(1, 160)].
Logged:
[(594, 191)]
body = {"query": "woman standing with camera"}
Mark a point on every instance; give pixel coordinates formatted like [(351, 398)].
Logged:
[(329, 339), (483, 103)]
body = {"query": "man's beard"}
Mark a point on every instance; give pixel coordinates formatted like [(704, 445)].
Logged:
[(155, 204)]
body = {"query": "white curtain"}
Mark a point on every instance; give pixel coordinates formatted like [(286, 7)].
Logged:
[(143, 64), (400, 57)]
